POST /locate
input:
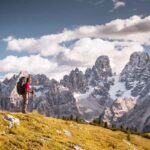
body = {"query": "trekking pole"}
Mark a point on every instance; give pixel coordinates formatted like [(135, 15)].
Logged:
[(33, 96)]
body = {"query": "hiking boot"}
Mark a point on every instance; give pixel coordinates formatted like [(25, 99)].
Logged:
[(24, 112)]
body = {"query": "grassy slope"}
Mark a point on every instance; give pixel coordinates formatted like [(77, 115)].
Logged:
[(37, 132)]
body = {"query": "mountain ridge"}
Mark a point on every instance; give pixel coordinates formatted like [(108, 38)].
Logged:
[(91, 94)]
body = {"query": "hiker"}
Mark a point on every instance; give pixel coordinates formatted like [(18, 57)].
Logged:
[(25, 95)]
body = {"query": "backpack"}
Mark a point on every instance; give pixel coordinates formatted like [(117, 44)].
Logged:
[(20, 83)]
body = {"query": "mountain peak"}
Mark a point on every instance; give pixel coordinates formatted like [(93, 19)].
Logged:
[(101, 70), (139, 58), (75, 81), (102, 62)]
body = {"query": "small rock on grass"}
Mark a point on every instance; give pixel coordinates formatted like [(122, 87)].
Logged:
[(66, 132), (76, 147), (12, 120)]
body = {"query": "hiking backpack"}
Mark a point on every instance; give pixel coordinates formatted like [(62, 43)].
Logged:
[(20, 83)]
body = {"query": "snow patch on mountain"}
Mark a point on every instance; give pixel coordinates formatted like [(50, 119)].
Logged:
[(38, 94), (87, 105), (79, 95), (118, 89), (37, 87), (62, 88)]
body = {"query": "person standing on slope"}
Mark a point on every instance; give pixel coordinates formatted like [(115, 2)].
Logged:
[(27, 91)]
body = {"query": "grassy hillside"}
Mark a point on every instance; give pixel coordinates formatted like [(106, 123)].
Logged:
[(37, 132)]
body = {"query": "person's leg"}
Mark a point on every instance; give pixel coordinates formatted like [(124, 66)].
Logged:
[(25, 103)]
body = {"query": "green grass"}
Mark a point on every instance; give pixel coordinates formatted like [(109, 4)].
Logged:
[(37, 132)]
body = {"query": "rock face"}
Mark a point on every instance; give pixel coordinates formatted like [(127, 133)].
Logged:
[(118, 109), (91, 89), (55, 100), (133, 87), (9, 99), (139, 117), (122, 99), (75, 81), (147, 125), (136, 74), (51, 98), (100, 72)]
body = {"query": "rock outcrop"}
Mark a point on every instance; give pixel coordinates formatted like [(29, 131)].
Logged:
[(133, 87)]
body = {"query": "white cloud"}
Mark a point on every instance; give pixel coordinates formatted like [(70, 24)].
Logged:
[(46, 45), (95, 2), (118, 3), (117, 39), (87, 50), (32, 64), (99, 2), (135, 28), (82, 54)]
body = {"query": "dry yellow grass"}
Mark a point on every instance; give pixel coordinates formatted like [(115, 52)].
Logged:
[(37, 132)]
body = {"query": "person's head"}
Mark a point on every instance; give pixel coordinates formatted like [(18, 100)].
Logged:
[(29, 79)]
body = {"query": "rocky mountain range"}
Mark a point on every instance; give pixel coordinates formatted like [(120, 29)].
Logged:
[(122, 99)]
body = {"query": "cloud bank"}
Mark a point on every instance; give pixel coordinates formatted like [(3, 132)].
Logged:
[(135, 29), (33, 63), (117, 39)]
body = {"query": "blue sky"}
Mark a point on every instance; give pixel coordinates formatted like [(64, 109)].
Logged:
[(30, 25)]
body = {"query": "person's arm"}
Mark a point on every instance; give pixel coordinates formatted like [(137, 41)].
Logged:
[(28, 89)]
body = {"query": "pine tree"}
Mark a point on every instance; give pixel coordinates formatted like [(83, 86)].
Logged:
[(105, 125), (96, 121), (71, 117), (122, 127), (77, 119), (127, 129), (128, 136), (63, 117), (100, 122), (135, 129), (113, 126)]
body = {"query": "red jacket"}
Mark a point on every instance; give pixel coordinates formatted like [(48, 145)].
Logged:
[(27, 87)]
